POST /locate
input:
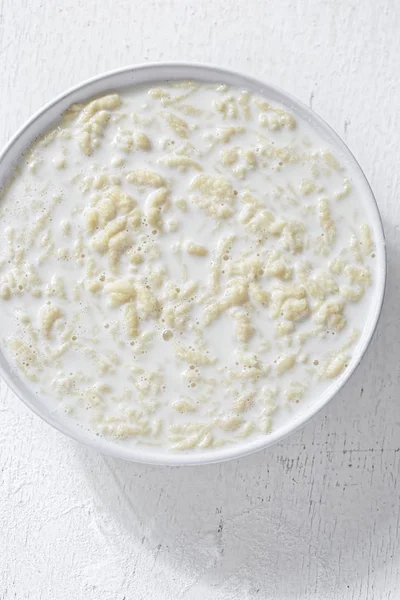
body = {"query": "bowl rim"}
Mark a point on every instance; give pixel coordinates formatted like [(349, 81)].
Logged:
[(148, 455)]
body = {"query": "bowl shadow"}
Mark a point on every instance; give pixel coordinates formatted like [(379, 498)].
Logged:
[(309, 517)]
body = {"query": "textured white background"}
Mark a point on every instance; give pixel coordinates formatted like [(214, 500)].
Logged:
[(315, 518)]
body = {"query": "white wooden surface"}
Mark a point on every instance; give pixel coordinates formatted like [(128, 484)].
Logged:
[(315, 518)]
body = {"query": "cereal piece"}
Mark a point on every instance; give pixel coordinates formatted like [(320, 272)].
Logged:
[(355, 248), (94, 286), (292, 237), (183, 406), (281, 294), (92, 220), (244, 103), (189, 110), (288, 121), (224, 134), (192, 356), (251, 373), (367, 242), (295, 392), (157, 199), (354, 293), (251, 268), (230, 423), (48, 315), (124, 141), (276, 267), (142, 141), (337, 265), (147, 302), (223, 247), (178, 125), (101, 240), (250, 158), (320, 285), (229, 156), (5, 292), (284, 328), (106, 211), (334, 365), (284, 363), (330, 160), (326, 221), (154, 203), (120, 291), (131, 320), (101, 104), (244, 402), (358, 274), (331, 315), (235, 294), (92, 130), (172, 225), (217, 197), (123, 202), (258, 294), (243, 327), (345, 191), (118, 245), (265, 424), (258, 221), (207, 441), (182, 162), (196, 249), (145, 177), (56, 287)]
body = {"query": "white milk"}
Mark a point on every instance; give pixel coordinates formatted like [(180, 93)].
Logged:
[(119, 302)]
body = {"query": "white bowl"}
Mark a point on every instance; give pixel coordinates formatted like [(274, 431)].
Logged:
[(146, 73)]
